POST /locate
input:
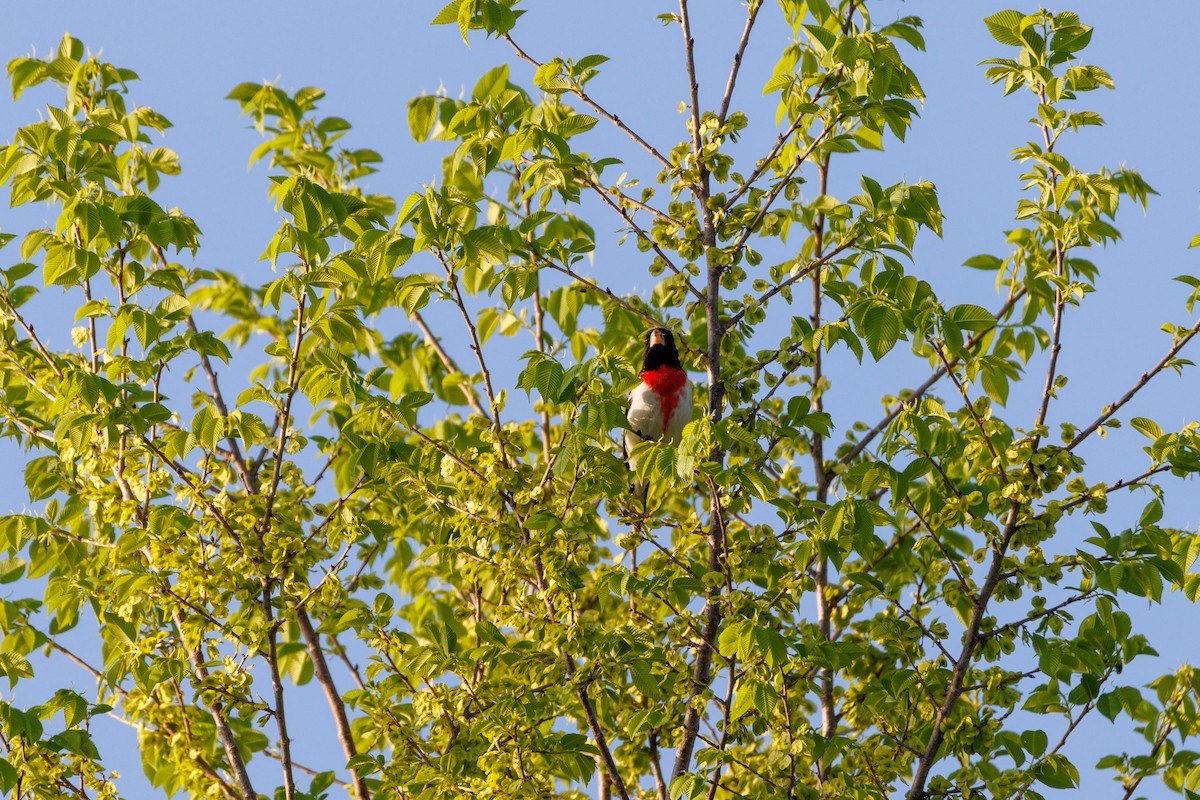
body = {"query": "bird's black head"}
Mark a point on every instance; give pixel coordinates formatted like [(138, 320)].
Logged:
[(660, 350)]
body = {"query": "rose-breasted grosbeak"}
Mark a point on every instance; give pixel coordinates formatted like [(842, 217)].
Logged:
[(661, 404)]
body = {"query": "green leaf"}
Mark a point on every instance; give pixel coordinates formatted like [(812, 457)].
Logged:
[(984, 261), (575, 124), (1152, 513), (138, 209), (1057, 772), (8, 776), (1147, 427), (12, 569), (543, 373), (363, 764), (820, 37), (971, 317), (25, 72), (208, 427), (995, 384), (448, 14), (77, 742), (590, 62), (753, 695), (921, 206), (734, 637), (14, 666), (687, 785), (1005, 26), (880, 327), (773, 647), (491, 85), (758, 484), (422, 114), (1035, 742)]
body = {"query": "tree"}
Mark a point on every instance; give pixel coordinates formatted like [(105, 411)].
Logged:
[(438, 535)]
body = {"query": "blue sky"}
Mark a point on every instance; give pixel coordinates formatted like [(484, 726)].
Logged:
[(372, 57)]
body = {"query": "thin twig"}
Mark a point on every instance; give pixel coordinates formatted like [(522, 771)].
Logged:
[(647, 238), (477, 347), (660, 785), (928, 634), (792, 279), (187, 477), (33, 337), (539, 335), (293, 385), (768, 201), (1045, 612), (970, 407), (613, 118), (751, 16), (731, 666), (626, 199), (593, 722), (693, 84), (1147, 376), (951, 561), (594, 287), (781, 141), (1123, 483), (467, 390), (235, 450)]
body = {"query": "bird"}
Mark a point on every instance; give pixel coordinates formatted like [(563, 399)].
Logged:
[(661, 405)]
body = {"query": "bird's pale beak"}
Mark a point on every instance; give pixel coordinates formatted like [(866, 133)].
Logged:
[(657, 337)]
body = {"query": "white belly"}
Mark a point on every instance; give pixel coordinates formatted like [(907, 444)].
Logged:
[(645, 416)]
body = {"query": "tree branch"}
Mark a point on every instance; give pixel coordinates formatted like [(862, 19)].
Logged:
[(647, 238), (293, 385), (660, 785), (467, 390), (971, 640), (224, 732), (917, 393), (731, 667), (235, 450), (821, 471), (461, 302), (751, 16), (799, 276), (689, 49), (336, 706), (1147, 376), (1123, 483), (702, 671), (33, 337), (285, 742), (1045, 612), (594, 287), (782, 183), (948, 369)]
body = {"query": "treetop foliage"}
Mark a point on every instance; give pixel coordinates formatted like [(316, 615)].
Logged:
[(389, 504)]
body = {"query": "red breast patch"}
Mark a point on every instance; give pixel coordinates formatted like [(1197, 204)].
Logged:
[(666, 383)]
